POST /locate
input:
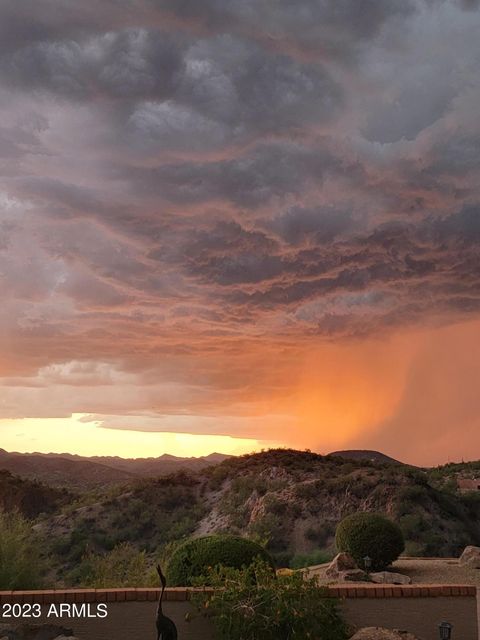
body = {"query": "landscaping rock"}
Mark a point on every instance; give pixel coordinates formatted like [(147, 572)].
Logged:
[(355, 575), (34, 632), (380, 633), (389, 577), (471, 557), (342, 563)]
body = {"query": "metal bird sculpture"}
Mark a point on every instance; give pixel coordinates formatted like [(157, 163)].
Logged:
[(166, 629)]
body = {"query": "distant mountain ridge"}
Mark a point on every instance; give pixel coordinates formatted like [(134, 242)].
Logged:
[(80, 473), (58, 471)]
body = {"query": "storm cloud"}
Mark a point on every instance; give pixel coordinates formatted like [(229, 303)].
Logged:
[(194, 194)]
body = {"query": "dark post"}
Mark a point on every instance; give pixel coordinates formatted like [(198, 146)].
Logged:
[(367, 563), (445, 630)]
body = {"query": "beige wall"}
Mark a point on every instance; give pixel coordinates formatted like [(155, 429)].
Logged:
[(131, 612), (420, 616), (136, 621)]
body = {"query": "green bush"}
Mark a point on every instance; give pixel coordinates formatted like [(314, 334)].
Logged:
[(282, 559), (254, 603), (301, 560), (194, 557), (269, 531), (321, 533), (369, 534), (20, 567), (124, 566)]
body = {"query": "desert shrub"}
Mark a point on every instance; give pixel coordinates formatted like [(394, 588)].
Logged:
[(370, 534), (451, 506), (434, 544), (414, 549), (413, 525), (307, 490), (233, 503), (193, 558), (20, 567), (301, 560), (417, 475), (275, 505), (124, 566), (253, 603), (270, 532), (321, 533), (471, 500), (282, 559), (336, 485)]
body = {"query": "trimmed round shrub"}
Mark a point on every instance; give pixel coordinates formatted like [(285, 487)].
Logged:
[(194, 557), (372, 535)]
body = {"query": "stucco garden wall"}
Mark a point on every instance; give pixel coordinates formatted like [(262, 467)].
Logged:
[(131, 612)]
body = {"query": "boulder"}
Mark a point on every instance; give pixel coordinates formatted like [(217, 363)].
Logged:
[(380, 633), (471, 557), (354, 575), (388, 577), (34, 632), (341, 563)]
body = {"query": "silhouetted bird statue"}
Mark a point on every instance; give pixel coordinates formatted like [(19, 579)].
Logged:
[(166, 628)]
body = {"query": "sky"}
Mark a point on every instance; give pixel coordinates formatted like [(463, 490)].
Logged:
[(226, 226)]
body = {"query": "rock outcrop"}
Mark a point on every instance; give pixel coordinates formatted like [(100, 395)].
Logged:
[(389, 577), (35, 632), (341, 562), (380, 633), (344, 568), (471, 557)]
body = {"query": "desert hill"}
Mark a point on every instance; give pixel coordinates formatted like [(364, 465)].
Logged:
[(364, 454), (289, 500)]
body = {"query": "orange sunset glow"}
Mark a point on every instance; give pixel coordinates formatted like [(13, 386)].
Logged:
[(225, 234)]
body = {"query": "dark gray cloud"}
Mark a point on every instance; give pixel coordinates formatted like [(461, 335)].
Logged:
[(326, 27), (268, 171), (455, 155), (316, 225), (416, 105), (469, 5), (128, 64), (171, 92), (191, 182)]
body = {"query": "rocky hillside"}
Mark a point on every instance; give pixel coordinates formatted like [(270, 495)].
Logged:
[(447, 476), (30, 498), (289, 500)]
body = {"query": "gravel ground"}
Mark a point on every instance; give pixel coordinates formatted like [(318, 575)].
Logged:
[(423, 570)]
